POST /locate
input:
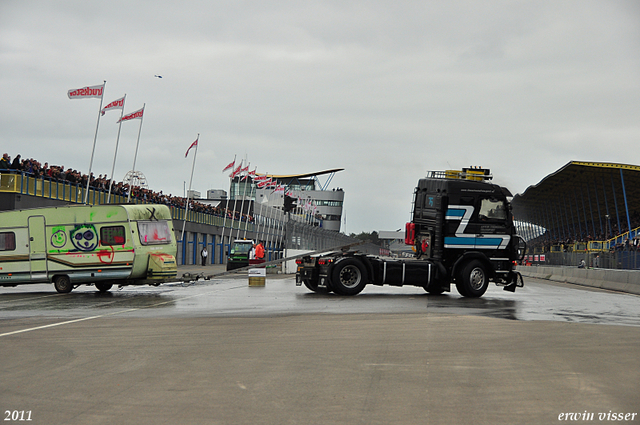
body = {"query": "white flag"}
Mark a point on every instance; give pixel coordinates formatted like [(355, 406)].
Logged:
[(116, 104), (132, 116), (85, 92)]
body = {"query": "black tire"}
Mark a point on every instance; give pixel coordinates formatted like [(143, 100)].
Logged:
[(434, 290), (103, 286), (473, 280), (62, 284), (348, 277), (316, 288)]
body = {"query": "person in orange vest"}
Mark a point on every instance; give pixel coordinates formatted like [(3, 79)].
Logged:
[(259, 251)]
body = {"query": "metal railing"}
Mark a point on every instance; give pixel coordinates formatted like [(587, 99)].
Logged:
[(624, 260), (66, 191)]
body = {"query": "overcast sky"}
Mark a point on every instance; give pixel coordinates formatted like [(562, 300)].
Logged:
[(386, 90)]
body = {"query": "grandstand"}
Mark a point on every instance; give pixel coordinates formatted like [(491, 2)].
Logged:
[(583, 208), (199, 226)]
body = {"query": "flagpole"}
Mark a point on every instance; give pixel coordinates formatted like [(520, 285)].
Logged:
[(263, 224), (135, 156), (226, 205), (235, 203), (266, 234), (270, 221), (186, 208), (249, 176), (258, 237), (95, 137), (115, 154), (282, 229), (244, 195)]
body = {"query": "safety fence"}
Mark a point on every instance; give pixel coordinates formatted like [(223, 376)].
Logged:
[(622, 260), (268, 224)]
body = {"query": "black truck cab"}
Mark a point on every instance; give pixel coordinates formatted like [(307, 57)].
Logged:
[(458, 218), (461, 231)]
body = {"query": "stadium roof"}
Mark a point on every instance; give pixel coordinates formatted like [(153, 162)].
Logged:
[(578, 197), (301, 176)]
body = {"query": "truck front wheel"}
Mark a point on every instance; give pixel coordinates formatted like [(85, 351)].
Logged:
[(473, 280), (62, 284), (348, 277)]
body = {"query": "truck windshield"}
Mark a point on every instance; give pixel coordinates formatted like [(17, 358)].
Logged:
[(492, 209), (154, 232)]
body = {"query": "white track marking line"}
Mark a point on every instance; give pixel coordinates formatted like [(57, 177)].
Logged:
[(108, 314)]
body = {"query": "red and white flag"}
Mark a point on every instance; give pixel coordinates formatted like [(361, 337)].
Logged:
[(86, 92), (264, 183), (251, 174), (230, 166), (236, 171), (261, 178), (132, 116), (116, 104), (192, 145), (278, 188)]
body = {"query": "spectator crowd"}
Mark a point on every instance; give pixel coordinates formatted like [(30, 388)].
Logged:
[(544, 243), (34, 168)]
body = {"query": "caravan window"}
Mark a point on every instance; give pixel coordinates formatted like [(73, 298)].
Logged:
[(112, 235), (154, 232), (7, 241)]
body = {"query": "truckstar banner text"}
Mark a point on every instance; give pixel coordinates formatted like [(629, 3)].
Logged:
[(116, 104), (132, 116), (86, 92)]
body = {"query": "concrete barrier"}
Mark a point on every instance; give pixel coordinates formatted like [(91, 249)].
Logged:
[(612, 279)]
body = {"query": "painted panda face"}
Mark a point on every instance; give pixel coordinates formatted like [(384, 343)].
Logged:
[(84, 238)]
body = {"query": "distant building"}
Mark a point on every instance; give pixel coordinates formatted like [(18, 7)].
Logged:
[(314, 203), (217, 195), (394, 242), (193, 194)]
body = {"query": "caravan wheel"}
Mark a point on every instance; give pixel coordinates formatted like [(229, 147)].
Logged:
[(103, 286), (62, 284)]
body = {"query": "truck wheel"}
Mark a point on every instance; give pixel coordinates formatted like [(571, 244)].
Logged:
[(348, 277), (316, 288), (103, 286), (434, 290), (62, 284), (473, 281)]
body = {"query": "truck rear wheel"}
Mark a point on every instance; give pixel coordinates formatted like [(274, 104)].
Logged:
[(473, 280), (62, 284), (348, 277)]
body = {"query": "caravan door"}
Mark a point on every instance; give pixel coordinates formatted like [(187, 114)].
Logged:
[(37, 248)]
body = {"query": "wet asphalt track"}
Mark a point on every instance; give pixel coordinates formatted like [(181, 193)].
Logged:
[(221, 352), (230, 295)]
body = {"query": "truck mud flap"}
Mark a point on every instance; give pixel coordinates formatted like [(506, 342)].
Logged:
[(306, 274), (515, 281)]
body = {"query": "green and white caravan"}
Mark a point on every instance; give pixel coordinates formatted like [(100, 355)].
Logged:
[(77, 245)]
